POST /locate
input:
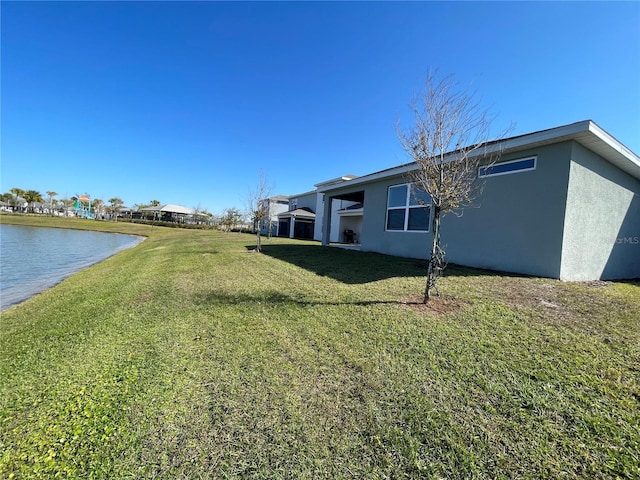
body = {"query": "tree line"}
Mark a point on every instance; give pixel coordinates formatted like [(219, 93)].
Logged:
[(31, 201)]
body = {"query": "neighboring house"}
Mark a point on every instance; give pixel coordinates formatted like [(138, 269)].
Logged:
[(300, 219), (273, 205), (561, 203), (304, 217)]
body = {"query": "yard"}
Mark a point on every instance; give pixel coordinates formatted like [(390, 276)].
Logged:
[(190, 356)]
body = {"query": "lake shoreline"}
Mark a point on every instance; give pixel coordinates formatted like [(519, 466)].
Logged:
[(28, 271)]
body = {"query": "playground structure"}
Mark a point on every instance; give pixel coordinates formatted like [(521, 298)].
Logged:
[(83, 207)]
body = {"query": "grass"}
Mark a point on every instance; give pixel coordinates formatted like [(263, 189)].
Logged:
[(189, 356)]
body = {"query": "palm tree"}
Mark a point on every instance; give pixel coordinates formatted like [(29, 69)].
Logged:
[(51, 194), (17, 194), (116, 205), (6, 197), (154, 203), (32, 196)]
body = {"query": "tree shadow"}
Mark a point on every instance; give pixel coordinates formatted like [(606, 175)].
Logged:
[(277, 298), (346, 266), (356, 267)]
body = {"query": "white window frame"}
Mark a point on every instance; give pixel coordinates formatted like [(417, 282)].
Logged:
[(406, 207), (520, 170)]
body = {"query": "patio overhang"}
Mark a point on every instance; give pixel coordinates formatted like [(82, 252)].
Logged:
[(357, 197), (298, 214), (355, 210)]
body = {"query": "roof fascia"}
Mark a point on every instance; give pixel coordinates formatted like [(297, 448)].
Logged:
[(611, 142), (513, 144), (310, 192), (334, 181)]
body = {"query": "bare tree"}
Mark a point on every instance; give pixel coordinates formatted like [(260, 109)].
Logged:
[(449, 141), (258, 206), (197, 214)]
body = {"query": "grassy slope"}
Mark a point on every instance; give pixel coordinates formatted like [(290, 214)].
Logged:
[(190, 357)]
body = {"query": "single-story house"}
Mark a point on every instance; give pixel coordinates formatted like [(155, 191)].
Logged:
[(561, 203)]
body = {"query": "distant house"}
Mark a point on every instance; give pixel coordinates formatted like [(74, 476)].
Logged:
[(273, 205), (300, 218), (561, 203)]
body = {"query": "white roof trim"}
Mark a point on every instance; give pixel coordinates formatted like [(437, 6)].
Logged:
[(333, 181), (587, 133)]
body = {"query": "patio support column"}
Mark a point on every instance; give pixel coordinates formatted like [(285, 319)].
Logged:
[(326, 220), (292, 225)]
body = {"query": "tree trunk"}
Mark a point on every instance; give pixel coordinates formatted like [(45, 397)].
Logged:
[(258, 240), (432, 267)]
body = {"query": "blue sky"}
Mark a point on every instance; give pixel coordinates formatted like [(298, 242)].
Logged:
[(186, 102)]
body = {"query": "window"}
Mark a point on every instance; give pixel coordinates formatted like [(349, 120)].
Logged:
[(408, 209), (514, 166)]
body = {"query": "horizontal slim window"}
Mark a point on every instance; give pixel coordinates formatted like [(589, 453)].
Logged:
[(515, 166)]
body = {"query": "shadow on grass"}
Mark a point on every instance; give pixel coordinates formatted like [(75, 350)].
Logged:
[(355, 267), (278, 298), (346, 266)]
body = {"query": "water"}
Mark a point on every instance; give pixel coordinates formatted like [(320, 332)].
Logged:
[(33, 259)]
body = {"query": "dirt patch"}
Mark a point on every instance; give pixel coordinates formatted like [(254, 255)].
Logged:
[(595, 283), (521, 292), (144, 298), (436, 306)]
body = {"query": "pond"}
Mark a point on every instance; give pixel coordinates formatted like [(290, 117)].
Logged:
[(33, 259)]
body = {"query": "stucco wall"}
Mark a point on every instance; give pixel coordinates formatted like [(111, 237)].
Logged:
[(516, 225), (602, 224), (308, 200), (374, 236)]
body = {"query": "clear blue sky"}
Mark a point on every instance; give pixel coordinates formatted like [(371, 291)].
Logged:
[(186, 102)]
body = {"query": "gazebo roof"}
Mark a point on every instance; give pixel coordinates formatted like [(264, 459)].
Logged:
[(176, 209), (170, 208)]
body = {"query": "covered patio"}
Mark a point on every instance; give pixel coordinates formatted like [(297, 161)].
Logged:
[(345, 227), (298, 223)]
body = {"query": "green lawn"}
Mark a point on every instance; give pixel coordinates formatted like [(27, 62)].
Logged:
[(189, 356)]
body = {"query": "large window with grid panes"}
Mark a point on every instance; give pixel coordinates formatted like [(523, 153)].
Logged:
[(408, 209)]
